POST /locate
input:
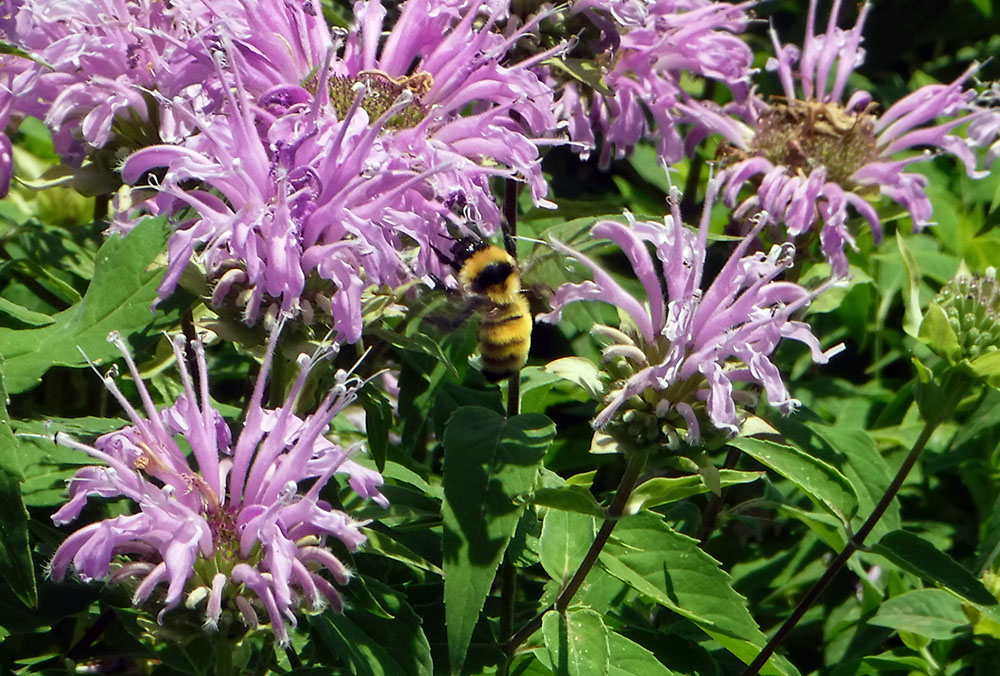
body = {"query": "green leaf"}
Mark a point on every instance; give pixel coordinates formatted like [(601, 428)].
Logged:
[(911, 288), (985, 7), (987, 366), (661, 490), (577, 642), (631, 659), (671, 569), (583, 372), (10, 48), (15, 551), (23, 314), (46, 465), (584, 70), (918, 556), (865, 468), (565, 539), (819, 480), (936, 333), (374, 646), (119, 298), (489, 462), (933, 613), (378, 420), (568, 499)]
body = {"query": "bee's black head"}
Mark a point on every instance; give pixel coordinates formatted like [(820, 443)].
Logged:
[(463, 249)]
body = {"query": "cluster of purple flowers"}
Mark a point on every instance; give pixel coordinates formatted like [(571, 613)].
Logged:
[(299, 165), (676, 360), (232, 532)]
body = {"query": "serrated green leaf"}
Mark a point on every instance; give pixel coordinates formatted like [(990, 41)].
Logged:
[(568, 499), (671, 569), (489, 462), (565, 539), (865, 468), (816, 478), (918, 556), (628, 658), (577, 642), (932, 613), (662, 490), (119, 298)]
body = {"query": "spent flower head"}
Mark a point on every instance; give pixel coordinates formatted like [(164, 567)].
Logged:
[(810, 154), (680, 354), (222, 523)]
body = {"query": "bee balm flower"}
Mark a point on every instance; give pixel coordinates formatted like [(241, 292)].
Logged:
[(686, 349), (226, 525), (812, 155)]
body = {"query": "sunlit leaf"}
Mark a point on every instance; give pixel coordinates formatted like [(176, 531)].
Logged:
[(489, 462)]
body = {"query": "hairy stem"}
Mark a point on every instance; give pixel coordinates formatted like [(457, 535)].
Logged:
[(633, 469)]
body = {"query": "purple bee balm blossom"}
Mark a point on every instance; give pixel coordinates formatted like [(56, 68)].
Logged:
[(101, 59), (687, 347), (225, 525), (466, 109), (304, 210), (649, 46), (984, 131), (811, 154), (349, 180)]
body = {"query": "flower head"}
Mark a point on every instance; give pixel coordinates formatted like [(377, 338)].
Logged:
[(812, 154), (971, 305), (225, 523), (686, 346), (99, 71), (644, 49), (309, 192)]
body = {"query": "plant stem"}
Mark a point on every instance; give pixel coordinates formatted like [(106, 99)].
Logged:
[(633, 469), (711, 515), (508, 575), (956, 391)]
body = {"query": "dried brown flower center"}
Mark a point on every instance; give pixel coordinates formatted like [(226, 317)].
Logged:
[(381, 92), (806, 135)]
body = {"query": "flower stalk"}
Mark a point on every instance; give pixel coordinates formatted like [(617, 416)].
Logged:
[(955, 385), (630, 479)]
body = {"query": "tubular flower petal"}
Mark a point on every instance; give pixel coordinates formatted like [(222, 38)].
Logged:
[(213, 520), (644, 49), (705, 343)]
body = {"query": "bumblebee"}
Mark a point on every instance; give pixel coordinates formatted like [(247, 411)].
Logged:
[(490, 275)]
